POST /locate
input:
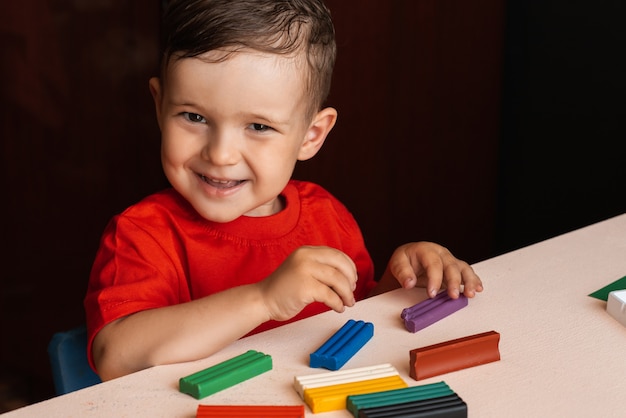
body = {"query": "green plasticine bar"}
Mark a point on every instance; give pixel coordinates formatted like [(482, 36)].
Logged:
[(355, 403), (226, 374)]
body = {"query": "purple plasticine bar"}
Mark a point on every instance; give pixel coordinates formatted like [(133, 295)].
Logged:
[(344, 344), (429, 311)]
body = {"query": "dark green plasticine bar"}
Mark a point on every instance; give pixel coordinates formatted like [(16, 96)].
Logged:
[(226, 374), (354, 403), (445, 407)]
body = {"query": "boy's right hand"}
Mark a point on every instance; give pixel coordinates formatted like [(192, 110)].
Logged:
[(310, 274)]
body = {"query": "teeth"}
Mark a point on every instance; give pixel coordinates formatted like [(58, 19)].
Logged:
[(205, 178), (220, 183)]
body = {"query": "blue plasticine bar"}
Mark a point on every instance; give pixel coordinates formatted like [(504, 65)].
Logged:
[(225, 374), (355, 403), (339, 348), (429, 311), (444, 407)]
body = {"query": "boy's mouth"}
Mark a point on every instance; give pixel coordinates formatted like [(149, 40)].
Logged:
[(220, 184)]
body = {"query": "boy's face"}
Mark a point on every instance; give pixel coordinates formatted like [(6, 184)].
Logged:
[(233, 130)]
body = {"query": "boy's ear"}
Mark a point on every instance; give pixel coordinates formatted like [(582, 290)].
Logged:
[(157, 95), (315, 136)]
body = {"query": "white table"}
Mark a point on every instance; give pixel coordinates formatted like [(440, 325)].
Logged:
[(562, 354)]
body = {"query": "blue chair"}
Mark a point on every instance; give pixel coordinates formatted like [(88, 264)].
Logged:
[(68, 358)]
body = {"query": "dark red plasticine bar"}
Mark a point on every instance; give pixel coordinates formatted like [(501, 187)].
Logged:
[(454, 355)]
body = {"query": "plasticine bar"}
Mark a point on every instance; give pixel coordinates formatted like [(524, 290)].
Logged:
[(226, 374), (450, 406), (302, 383), (429, 311), (454, 355), (252, 411), (354, 403), (616, 305), (344, 344), (333, 398)]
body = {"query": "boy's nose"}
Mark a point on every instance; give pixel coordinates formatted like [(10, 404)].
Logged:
[(221, 150)]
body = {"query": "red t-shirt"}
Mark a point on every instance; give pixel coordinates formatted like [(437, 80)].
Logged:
[(161, 252)]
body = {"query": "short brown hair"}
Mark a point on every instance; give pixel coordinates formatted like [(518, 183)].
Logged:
[(194, 27)]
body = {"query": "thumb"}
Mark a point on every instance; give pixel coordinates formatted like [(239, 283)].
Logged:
[(402, 270)]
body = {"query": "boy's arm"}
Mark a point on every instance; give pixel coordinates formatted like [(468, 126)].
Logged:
[(177, 333), (429, 265), (197, 329)]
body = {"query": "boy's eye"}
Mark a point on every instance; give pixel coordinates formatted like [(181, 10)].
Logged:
[(194, 117), (259, 127)]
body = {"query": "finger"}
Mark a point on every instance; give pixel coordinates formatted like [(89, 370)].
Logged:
[(452, 281), (347, 267), (336, 281), (471, 282), (401, 267), (405, 275), (330, 298), (433, 272), (344, 269)]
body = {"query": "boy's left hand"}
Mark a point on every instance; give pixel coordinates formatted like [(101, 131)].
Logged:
[(430, 265)]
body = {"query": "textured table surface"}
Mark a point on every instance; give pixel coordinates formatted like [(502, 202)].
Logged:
[(562, 355)]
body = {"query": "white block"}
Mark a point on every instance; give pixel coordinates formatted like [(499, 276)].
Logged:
[(616, 306), (301, 383)]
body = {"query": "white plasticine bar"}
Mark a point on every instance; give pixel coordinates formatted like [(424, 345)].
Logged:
[(301, 383), (616, 306)]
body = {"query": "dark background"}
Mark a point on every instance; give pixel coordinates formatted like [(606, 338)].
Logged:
[(484, 125)]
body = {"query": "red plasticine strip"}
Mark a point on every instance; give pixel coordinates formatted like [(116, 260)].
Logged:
[(454, 355), (250, 411), (429, 311)]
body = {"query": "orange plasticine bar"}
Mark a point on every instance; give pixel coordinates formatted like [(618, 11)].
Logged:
[(250, 411), (324, 392), (333, 398), (302, 383), (454, 355)]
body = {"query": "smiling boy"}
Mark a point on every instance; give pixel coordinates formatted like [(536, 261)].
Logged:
[(236, 246), (254, 110)]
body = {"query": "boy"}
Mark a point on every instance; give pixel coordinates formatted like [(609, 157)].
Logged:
[(236, 246)]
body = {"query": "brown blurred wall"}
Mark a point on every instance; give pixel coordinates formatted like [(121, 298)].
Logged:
[(79, 143)]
